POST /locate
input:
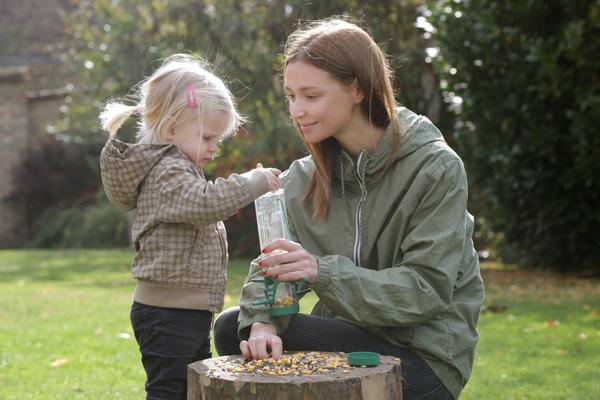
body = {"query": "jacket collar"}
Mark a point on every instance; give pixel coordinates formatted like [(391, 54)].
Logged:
[(415, 131)]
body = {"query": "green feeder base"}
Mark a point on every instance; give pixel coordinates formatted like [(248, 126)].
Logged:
[(293, 309)]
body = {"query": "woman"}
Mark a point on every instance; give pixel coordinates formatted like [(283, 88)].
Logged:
[(379, 221)]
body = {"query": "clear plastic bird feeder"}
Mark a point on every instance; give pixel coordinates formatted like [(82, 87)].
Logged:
[(271, 218)]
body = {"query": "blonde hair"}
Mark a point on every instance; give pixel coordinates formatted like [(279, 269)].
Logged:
[(162, 100), (349, 54)]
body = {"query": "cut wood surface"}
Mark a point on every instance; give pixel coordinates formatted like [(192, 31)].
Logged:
[(208, 380)]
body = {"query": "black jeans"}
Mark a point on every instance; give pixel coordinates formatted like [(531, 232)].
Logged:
[(313, 333), (169, 340)]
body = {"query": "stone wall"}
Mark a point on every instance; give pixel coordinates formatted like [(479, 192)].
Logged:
[(14, 137), (32, 88)]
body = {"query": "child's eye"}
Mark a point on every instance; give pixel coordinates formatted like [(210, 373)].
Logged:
[(290, 96), (311, 96)]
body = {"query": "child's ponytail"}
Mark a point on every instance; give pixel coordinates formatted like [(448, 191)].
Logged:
[(114, 116)]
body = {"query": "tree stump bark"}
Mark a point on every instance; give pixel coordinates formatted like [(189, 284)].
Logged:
[(206, 381)]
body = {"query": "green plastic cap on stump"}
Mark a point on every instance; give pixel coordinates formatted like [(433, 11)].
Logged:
[(363, 358)]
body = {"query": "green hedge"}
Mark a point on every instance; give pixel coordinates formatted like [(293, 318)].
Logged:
[(528, 75), (90, 225)]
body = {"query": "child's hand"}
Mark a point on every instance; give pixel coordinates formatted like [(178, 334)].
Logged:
[(272, 176)]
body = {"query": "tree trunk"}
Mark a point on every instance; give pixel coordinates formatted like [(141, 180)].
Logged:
[(206, 381)]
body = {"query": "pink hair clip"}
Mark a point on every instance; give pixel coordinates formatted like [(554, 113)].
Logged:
[(191, 96)]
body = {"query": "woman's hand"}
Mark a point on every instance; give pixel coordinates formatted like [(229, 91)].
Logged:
[(263, 337), (296, 264), (293, 265)]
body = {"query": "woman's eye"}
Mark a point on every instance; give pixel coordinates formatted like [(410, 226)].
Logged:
[(311, 96)]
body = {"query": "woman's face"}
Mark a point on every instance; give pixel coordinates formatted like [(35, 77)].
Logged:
[(321, 105)]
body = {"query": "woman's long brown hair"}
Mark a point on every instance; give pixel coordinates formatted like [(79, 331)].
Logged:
[(348, 53)]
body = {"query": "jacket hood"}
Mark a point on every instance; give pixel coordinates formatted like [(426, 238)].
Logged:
[(416, 131), (124, 167)]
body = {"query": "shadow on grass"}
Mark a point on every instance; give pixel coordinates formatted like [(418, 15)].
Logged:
[(99, 268), (89, 267)]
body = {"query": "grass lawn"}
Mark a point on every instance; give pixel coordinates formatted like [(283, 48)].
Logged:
[(65, 332)]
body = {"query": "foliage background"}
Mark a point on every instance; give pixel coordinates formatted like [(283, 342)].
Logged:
[(113, 44), (512, 85)]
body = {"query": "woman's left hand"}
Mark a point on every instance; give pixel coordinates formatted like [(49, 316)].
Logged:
[(293, 265)]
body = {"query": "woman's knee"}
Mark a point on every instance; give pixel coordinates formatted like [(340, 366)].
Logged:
[(225, 332)]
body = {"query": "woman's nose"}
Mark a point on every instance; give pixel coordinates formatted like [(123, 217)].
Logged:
[(296, 110)]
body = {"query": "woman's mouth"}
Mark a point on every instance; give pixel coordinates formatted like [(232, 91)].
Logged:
[(307, 126)]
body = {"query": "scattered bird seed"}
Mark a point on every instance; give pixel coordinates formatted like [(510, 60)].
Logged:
[(293, 364)]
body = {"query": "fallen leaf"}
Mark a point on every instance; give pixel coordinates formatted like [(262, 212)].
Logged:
[(561, 352), (124, 335), (58, 362), (552, 323), (582, 336)]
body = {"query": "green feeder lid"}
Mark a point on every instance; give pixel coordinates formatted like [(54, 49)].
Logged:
[(363, 358)]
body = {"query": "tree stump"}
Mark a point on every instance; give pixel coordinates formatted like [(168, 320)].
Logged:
[(206, 381)]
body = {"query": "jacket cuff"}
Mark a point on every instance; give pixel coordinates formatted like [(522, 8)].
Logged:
[(258, 182), (323, 281)]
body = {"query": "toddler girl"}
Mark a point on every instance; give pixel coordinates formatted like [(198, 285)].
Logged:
[(178, 233)]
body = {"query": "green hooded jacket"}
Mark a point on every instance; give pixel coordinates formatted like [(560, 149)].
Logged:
[(395, 252)]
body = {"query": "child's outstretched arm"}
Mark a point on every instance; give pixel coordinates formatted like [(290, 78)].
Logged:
[(185, 198)]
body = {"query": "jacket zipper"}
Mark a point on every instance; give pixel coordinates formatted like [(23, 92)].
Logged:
[(363, 197)]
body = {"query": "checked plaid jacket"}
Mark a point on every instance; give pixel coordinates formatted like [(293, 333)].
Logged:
[(178, 234)]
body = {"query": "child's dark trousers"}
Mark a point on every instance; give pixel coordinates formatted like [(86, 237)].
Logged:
[(169, 340)]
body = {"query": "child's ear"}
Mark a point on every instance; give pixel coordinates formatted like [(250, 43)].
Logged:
[(170, 135)]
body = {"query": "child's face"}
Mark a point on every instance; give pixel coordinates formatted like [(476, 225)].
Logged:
[(198, 141)]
